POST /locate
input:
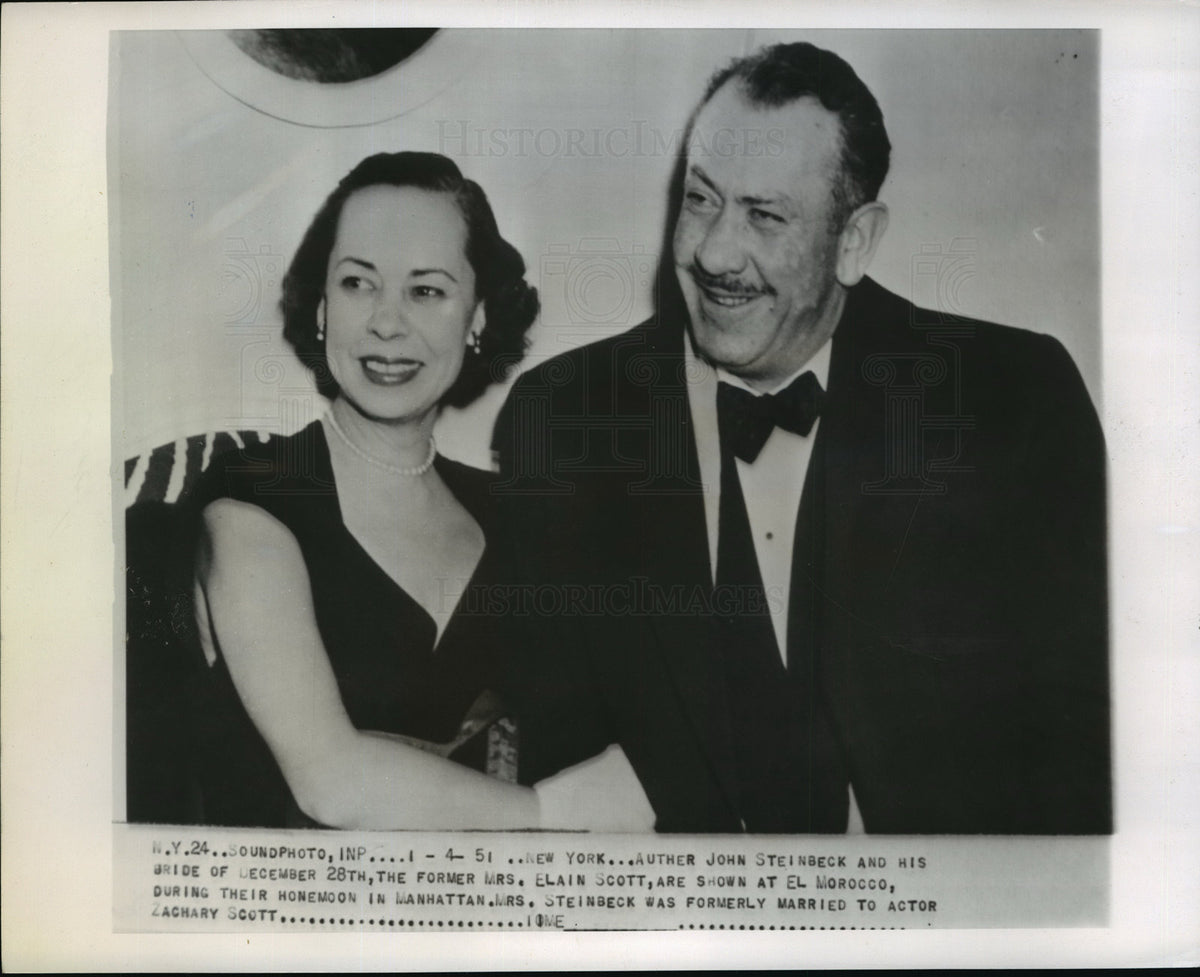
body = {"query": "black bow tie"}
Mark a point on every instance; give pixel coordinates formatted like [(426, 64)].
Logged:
[(745, 421)]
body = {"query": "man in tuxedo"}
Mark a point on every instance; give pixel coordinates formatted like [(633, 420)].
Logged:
[(817, 559)]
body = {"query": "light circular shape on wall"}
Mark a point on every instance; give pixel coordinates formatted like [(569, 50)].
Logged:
[(441, 61)]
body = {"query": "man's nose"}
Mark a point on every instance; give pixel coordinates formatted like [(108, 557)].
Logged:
[(720, 251)]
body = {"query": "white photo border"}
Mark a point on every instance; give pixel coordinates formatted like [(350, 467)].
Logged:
[(59, 581)]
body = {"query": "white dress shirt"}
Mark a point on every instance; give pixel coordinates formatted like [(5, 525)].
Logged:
[(771, 484)]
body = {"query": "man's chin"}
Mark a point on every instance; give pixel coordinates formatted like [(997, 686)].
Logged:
[(721, 348)]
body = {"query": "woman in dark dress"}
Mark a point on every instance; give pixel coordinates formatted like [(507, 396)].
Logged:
[(347, 659)]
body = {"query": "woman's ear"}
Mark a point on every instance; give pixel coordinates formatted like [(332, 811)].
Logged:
[(321, 320), (858, 241), (478, 322)]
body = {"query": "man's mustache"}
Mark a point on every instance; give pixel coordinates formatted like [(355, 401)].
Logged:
[(730, 286)]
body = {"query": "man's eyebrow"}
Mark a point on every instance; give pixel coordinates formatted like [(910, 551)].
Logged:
[(698, 172), (749, 200), (752, 201)]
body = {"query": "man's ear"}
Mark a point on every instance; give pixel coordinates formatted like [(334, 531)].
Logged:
[(858, 241)]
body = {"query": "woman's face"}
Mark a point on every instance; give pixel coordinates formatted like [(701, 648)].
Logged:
[(399, 301)]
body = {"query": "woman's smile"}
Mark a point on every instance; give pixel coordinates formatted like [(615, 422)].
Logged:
[(389, 372)]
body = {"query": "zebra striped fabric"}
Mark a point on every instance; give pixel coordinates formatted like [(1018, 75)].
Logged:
[(170, 470)]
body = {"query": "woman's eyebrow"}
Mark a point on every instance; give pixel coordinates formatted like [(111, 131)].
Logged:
[(417, 272), (358, 261)]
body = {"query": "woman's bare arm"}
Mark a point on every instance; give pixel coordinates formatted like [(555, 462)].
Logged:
[(257, 599)]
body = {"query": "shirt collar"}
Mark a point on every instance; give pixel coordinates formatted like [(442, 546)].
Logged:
[(818, 363)]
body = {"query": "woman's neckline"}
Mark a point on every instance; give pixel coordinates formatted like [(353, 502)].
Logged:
[(441, 465)]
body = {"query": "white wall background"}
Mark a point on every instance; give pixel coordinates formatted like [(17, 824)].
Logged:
[(993, 190)]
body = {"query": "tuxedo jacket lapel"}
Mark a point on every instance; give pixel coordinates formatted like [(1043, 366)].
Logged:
[(856, 535), (861, 526), (824, 540), (675, 560)]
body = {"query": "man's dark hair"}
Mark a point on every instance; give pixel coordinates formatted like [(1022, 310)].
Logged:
[(510, 303), (783, 73)]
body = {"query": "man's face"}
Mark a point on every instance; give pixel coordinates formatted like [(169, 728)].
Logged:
[(755, 246)]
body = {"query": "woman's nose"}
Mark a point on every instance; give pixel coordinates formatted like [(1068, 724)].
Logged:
[(389, 318)]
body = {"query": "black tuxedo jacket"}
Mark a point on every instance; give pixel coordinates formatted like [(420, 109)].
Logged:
[(948, 607)]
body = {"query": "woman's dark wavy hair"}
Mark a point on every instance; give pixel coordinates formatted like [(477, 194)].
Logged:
[(510, 303), (782, 73)]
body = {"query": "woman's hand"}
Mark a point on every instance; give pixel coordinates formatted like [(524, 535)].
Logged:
[(600, 794)]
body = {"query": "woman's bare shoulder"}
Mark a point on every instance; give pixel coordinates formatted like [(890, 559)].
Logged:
[(231, 528)]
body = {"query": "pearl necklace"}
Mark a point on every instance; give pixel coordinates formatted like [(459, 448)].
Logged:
[(413, 471)]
